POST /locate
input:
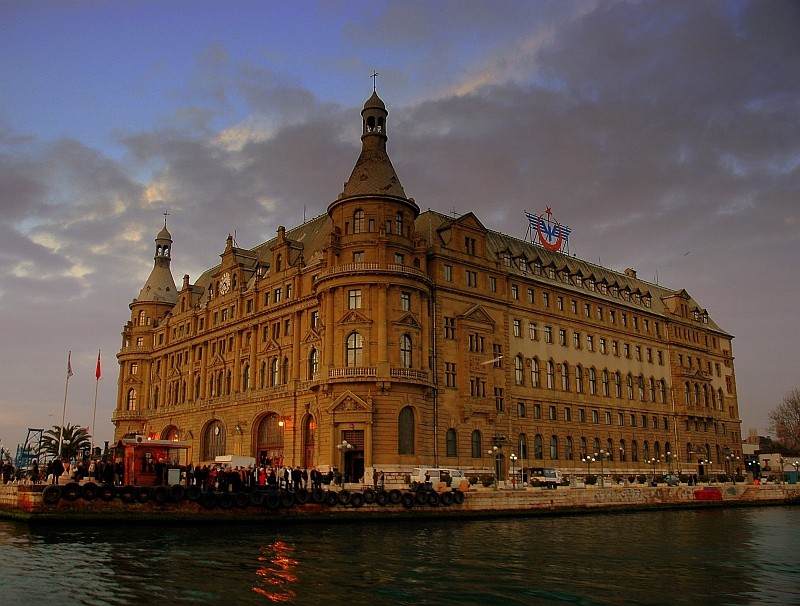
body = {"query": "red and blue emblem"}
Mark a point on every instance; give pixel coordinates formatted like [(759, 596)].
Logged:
[(549, 233)]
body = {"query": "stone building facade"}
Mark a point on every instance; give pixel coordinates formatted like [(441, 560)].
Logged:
[(379, 337)]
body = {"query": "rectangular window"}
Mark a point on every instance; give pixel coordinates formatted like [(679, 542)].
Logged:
[(546, 299), (450, 374), (553, 413), (595, 417), (574, 306), (471, 278), (405, 301), (532, 331), (560, 303), (521, 412), (358, 257), (567, 413), (590, 342), (582, 415), (448, 273), (633, 419), (608, 418), (548, 334), (515, 292), (492, 283), (562, 336), (449, 328), (530, 295), (498, 399), (354, 299), (576, 340), (517, 328), (620, 419), (278, 293)]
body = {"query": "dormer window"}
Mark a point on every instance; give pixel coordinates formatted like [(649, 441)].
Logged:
[(523, 265), (278, 262)]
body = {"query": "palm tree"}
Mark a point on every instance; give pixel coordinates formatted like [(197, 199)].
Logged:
[(74, 441)]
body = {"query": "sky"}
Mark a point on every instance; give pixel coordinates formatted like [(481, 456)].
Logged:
[(666, 134)]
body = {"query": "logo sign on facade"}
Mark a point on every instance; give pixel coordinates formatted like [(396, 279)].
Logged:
[(545, 231)]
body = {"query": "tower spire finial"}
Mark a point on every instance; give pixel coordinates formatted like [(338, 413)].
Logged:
[(374, 77), (166, 214)]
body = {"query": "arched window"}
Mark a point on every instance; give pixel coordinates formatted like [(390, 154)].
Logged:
[(579, 379), (262, 376), (592, 381), (246, 377), (705, 396), (634, 451), (405, 431), (522, 447), (551, 375), (657, 450), (213, 441), (688, 391), (646, 450), (596, 445), (398, 218), (623, 456), (405, 351), (285, 371), (553, 448), (610, 449), (584, 448), (518, 370), (273, 375), (142, 317), (358, 221), (354, 349), (450, 443), (219, 383), (197, 386), (475, 441), (131, 399), (721, 399), (663, 389), (537, 447), (564, 376), (535, 372), (155, 397), (228, 383), (568, 451), (606, 391), (697, 394), (629, 382), (618, 384), (313, 363), (640, 385)]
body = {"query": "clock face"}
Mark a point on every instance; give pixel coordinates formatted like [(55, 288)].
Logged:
[(225, 285)]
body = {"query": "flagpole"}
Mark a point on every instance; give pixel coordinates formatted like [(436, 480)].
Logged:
[(64, 413), (94, 412)]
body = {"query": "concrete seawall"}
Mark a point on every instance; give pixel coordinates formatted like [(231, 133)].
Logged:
[(26, 503)]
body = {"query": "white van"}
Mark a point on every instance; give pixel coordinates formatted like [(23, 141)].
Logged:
[(439, 478)]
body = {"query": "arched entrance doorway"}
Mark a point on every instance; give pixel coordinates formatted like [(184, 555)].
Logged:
[(270, 440), (309, 442)]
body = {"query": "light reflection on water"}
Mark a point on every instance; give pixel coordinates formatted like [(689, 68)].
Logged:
[(719, 556)]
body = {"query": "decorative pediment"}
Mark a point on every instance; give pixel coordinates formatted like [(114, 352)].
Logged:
[(408, 320), (348, 402), (270, 345), (218, 361), (476, 313), (133, 380), (312, 336), (354, 316)]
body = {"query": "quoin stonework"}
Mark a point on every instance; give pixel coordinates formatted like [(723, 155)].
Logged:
[(377, 336)]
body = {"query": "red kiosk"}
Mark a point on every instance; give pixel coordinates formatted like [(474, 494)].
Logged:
[(152, 462)]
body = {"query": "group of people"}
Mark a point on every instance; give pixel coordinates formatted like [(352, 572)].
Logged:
[(224, 479), (56, 471)]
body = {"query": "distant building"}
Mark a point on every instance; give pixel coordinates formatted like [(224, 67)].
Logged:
[(377, 336)]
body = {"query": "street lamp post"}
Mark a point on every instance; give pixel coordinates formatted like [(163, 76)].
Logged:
[(492, 452), (513, 458), (588, 459), (602, 456), (653, 461), (344, 447)]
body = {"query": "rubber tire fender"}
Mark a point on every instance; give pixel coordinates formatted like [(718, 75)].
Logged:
[(127, 494), (318, 496), (107, 492), (89, 491), (421, 497), (225, 500), (241, 499), (51, 494), (369, 496), (395, 496), (302, 496), (193, 492), (331, 498), (356, 499), (177, 493), (160, 494), (407, 499), (458, 497), (208, 499), (273, 500), (287, 499), (257, 498), (72, 491), (447, 499), (144, 494), (434, 499), (344, 497), (382, 497)]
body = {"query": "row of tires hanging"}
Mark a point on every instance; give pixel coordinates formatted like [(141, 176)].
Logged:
[(271, 499)]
